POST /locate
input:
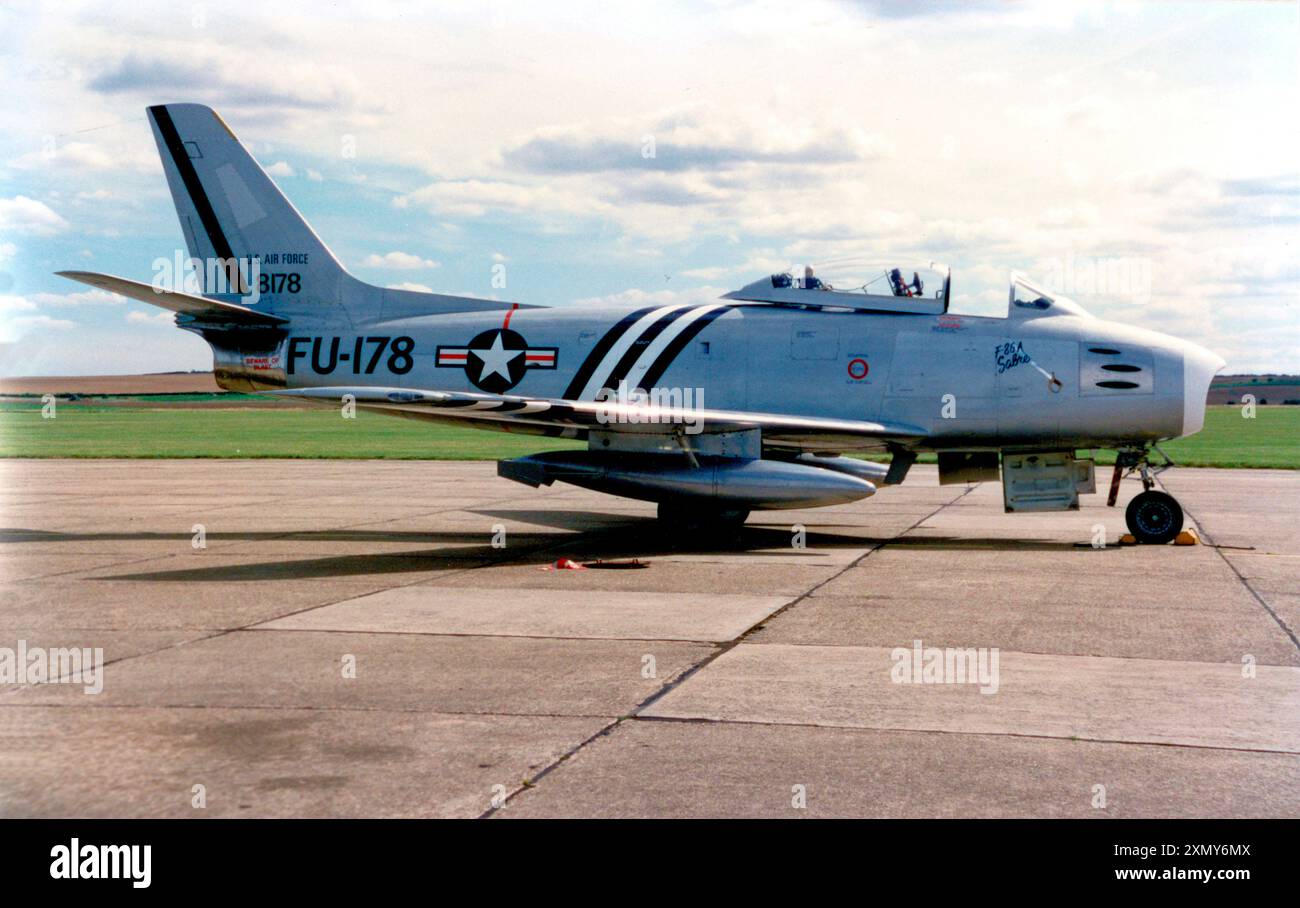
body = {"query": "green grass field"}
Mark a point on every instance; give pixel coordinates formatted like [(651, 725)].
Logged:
[(1272, 439), (126, 431)]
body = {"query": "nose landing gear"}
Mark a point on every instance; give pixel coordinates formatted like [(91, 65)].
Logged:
[(1153, 517)]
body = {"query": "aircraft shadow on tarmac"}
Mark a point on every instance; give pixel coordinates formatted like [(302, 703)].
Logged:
[(24, 535), (595, 537)]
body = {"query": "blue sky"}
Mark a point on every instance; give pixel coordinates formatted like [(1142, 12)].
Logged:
[(1142, 158)]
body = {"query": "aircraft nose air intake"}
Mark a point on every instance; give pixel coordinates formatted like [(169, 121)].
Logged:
[(1199, 368)]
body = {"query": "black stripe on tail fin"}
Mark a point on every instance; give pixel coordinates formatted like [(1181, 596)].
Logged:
[(238, 224), (198, 196), (231, 210)]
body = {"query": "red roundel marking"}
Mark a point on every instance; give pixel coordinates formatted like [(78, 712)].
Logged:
[(858, 368)]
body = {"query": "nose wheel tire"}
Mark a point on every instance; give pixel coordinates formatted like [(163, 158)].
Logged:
[(1154, 518)]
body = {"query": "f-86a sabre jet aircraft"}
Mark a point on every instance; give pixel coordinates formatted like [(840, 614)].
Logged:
[(752, 401)]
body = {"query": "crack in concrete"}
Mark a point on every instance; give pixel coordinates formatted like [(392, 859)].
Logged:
[(1240, 576), (691, 670)]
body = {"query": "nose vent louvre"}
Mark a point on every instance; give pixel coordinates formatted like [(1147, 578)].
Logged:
[(1099, 363)]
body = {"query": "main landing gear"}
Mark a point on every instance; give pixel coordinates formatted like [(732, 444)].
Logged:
[(1153, 517)]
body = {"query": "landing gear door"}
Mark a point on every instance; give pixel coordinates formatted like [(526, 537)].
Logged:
[(1040, 481)]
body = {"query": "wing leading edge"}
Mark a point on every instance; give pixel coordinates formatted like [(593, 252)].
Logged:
[(575, 417)]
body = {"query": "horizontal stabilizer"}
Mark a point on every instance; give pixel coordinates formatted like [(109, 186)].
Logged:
[(201, 310)]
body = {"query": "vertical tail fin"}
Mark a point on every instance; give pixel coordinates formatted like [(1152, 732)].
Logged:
[(230, 209)]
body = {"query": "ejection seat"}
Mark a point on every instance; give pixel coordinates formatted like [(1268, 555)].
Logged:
[(901, 289)]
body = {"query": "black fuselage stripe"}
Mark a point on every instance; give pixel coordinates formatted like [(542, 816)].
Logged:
[(193, 185), (625, 364), (677, 345), (601, 350)]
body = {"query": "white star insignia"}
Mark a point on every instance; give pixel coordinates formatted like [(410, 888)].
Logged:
[(496, 360)]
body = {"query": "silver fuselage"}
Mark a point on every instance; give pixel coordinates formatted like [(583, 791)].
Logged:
[(969, 382)]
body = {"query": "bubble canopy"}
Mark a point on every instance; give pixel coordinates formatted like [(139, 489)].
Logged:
[(1029, 298), (921, 289)]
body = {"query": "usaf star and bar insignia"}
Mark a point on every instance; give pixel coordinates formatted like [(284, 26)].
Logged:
[(496, 360)]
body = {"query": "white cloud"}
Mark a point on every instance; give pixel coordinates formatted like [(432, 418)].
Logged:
[(989, 136), (45, 321), (476, 198), (634, 297), (19, 317), (398, 261), (707, 274), (13, 328), (752, 266), (93, 297), (280, 169), (119, 349), (23, 215), (688, 139), (411, 285), (82, 156), (137, 317), (236, 72), (16, 304)]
